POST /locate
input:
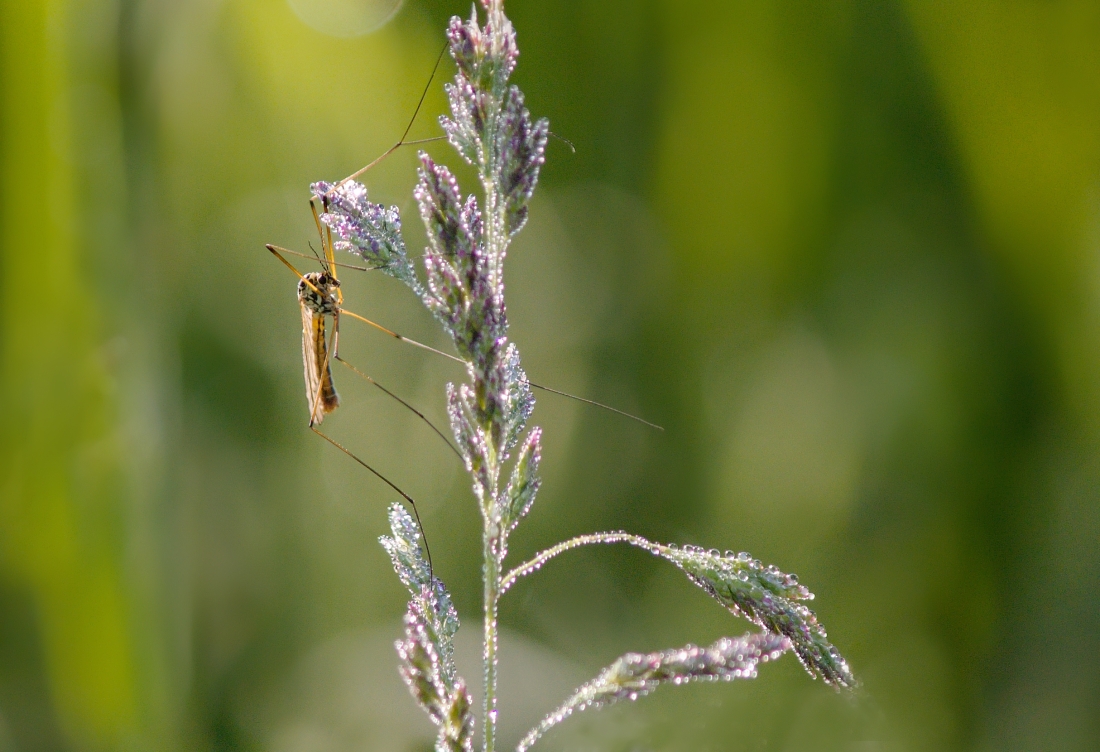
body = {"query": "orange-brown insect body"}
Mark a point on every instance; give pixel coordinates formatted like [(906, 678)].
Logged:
[(318, 296)]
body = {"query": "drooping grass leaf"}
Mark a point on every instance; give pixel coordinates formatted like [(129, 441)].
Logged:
[(764, 595), (637, 674)]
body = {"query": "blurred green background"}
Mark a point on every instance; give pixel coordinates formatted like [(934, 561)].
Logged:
[(848, 253)]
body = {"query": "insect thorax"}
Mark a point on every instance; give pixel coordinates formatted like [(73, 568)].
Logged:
[(321, 300)]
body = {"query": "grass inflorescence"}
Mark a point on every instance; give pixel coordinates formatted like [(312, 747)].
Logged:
[(463, 287)]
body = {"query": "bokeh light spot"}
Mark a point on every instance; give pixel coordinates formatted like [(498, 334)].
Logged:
[(345, 18)]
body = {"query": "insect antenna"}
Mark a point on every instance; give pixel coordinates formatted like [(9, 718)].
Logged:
[(315, 257), (341, 264)]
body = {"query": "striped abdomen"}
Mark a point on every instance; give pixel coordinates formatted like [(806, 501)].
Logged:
[(316, 359)]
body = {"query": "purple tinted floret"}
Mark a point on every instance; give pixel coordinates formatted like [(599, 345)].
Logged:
[(371, 231)]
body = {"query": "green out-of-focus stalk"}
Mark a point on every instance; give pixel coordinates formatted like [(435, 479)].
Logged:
[(68, 529)]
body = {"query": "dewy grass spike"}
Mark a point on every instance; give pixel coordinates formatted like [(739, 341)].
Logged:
[(468, 239)]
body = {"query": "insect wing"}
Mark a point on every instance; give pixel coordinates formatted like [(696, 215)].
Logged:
[(320, 391)]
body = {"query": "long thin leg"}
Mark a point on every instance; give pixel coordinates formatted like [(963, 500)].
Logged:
[(343, 449), (567, 395), (421, 345), (379, 158), (403, 338), (594, 403), (326, 246), (337, 358), (389, 483), (419, 414), (336, 334), (275, 250), (402, 142)]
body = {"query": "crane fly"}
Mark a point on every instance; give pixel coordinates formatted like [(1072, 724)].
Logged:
[(320, 298)]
